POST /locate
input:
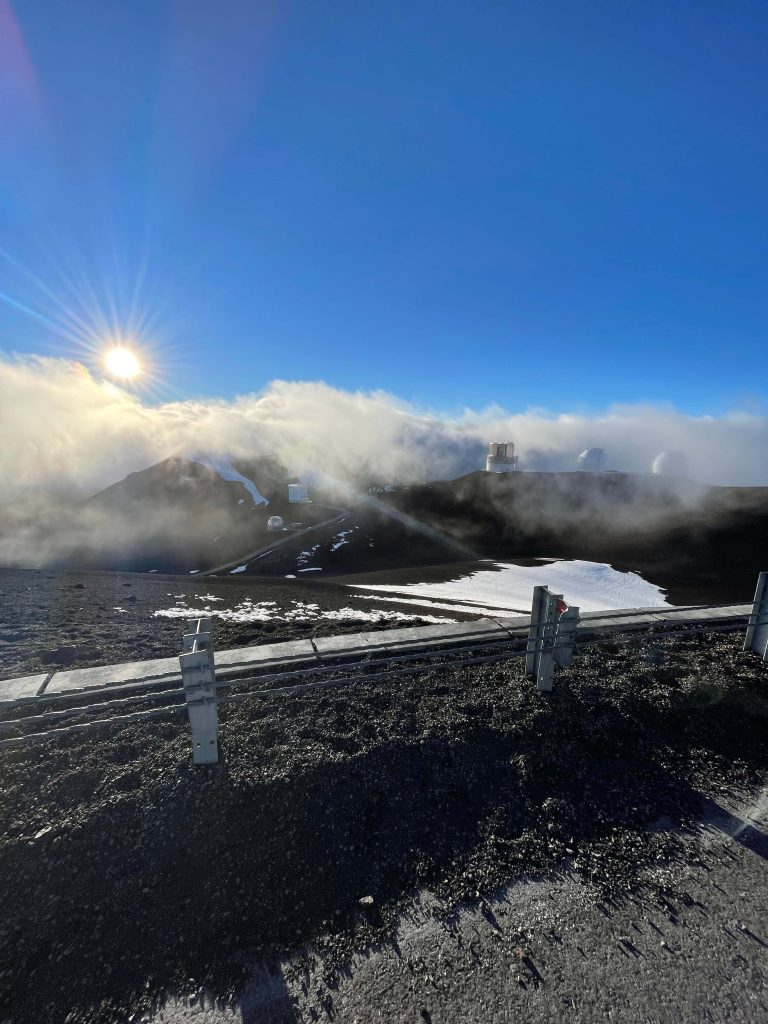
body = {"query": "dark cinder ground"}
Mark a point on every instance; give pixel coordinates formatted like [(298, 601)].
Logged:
[(128, 877), (52, 619)]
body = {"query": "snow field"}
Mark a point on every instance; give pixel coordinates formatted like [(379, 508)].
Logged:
[(591, 586)]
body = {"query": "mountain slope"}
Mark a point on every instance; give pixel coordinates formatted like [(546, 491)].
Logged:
[(179, 515), (187, 514)]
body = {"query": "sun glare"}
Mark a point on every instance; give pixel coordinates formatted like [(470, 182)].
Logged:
[(121, 362)]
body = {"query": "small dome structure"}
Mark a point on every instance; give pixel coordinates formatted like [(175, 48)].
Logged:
[(275, 523), (670, 464), (592, 460)]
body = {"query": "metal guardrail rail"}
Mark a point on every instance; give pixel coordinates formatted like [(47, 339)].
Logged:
[(543, 643)]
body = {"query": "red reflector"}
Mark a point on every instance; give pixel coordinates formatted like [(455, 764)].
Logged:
[(561, 607)]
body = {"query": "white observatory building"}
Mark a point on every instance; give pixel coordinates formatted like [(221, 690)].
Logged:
[(298, 493), (592, 460), (670, 464), (501, 457), (275, 523)]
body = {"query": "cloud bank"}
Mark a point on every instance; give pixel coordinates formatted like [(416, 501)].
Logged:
[(65, 432)]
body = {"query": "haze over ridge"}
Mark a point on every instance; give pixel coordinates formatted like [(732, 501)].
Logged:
[(74, 434)]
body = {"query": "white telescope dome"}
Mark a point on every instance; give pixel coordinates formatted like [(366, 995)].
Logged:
[(592, 460), (670, 464), (275, 523)]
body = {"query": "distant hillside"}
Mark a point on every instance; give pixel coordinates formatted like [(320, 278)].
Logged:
[(703, 543), (176, 516)]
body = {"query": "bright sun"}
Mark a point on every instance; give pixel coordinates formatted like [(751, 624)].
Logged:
[(121, 362)]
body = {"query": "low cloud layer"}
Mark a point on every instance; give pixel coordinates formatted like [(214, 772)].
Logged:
[(66, 433)]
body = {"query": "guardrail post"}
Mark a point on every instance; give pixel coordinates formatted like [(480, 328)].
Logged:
[(566, 636), (199, 681), (539, 655), (538, 612), (757, 631)]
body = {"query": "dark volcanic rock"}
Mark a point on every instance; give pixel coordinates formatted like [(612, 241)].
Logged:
[(63, 657)]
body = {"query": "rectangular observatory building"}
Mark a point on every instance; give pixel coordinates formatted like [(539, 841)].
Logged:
[(501, 457)]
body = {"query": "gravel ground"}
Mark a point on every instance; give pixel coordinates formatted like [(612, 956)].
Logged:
[(127, 875), (550, 950), (51, 620)]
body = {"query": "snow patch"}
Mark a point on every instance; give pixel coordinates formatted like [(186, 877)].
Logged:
[(467, 608), (304, 556), (227, 471), (240, 568), (341, 538), (267, 611), (591, 586)]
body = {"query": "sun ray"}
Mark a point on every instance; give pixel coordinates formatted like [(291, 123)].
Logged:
[(97, 306)]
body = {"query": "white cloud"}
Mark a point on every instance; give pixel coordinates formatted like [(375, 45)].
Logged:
[(66, 432)]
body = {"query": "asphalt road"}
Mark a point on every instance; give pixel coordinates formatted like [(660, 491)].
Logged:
[(285, 540), (551, 951)]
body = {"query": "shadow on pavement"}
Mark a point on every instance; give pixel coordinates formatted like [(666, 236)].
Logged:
[(738, 828)]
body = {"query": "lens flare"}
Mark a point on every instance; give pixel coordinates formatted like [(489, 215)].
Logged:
[(107, 324), (121, 362)]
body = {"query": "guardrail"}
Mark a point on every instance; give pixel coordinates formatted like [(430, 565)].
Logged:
[(552, 637)]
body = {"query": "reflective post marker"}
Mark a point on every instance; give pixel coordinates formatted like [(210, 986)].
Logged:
[(200, 632), (566, 636)]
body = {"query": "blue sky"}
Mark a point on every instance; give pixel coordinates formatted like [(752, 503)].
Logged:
[(556, 204)]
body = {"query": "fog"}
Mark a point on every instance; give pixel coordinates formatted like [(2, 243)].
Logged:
[(67, 433)]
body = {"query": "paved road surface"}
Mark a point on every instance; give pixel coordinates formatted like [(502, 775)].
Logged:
[(640, 963), (339, 516)]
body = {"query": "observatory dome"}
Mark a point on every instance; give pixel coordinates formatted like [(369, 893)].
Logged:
[(670, 464), (592, 460), (275, 523)]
